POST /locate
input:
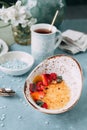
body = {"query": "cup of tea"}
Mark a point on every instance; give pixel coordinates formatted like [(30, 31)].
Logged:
[(44, 40)]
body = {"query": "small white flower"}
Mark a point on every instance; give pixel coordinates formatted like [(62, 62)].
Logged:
[(16, 14), (18, 4), (32, 21)]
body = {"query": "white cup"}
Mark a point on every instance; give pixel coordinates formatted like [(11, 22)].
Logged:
[(44, 44)]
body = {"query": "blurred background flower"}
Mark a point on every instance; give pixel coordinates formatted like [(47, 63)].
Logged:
[(24, 13), (20, 19), (17, 14)]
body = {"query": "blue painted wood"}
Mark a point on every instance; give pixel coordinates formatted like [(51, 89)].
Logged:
[(15, 114)]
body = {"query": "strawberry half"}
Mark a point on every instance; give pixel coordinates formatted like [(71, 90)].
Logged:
[(53, 76), (32, 87), (44, 79), (39, 86), (44, 105), (48, 78)]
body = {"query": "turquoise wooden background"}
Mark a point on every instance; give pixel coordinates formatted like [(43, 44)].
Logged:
[(76, 2), (68, 2)]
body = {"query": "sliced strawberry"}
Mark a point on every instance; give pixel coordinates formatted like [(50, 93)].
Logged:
[(48, 78), (44, 105), (32, 87), (47, 75), (40, 86), (39, 83), (37, 95), (53, 76), (44, 79)]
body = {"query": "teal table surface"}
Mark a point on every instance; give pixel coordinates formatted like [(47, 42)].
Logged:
[(16, 114)]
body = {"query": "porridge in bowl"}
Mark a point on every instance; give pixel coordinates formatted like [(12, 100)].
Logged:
[(49, 91)]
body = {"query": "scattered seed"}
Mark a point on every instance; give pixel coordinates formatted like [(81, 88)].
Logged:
[(21, 100), (47, 122), (1, 77), (19, 117), (1, 107), (2, 118), (26, 104), (19, 87), (19, 80), (2, 125), (3, 115)]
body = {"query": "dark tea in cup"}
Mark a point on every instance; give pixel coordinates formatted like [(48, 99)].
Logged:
[(44, 41), (43, 31)]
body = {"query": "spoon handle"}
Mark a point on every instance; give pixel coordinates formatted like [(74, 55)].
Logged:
[(6, 92)]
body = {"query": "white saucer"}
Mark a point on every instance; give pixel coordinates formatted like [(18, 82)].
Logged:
[(3, 47)]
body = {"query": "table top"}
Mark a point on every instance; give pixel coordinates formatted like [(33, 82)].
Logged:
[(17, 114)]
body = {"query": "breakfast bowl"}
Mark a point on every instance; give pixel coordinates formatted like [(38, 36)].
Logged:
[(55, 85), (16, 63)]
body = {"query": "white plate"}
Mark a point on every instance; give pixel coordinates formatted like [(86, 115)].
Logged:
[(3, 47), (23, 57), (71, 72)]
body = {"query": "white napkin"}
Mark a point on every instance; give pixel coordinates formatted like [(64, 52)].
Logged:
[(74, 41)]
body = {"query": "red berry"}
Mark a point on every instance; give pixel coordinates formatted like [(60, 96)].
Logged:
[(32, 87), (53, 76), (44, 105), (39, 83), (48, 78), (44, 79), (39, 86)]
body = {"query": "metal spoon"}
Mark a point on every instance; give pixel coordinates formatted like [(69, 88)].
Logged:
[(6, 92)]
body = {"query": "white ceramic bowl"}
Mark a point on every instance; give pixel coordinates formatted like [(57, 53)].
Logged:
[(23, 57), (71, 72)]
